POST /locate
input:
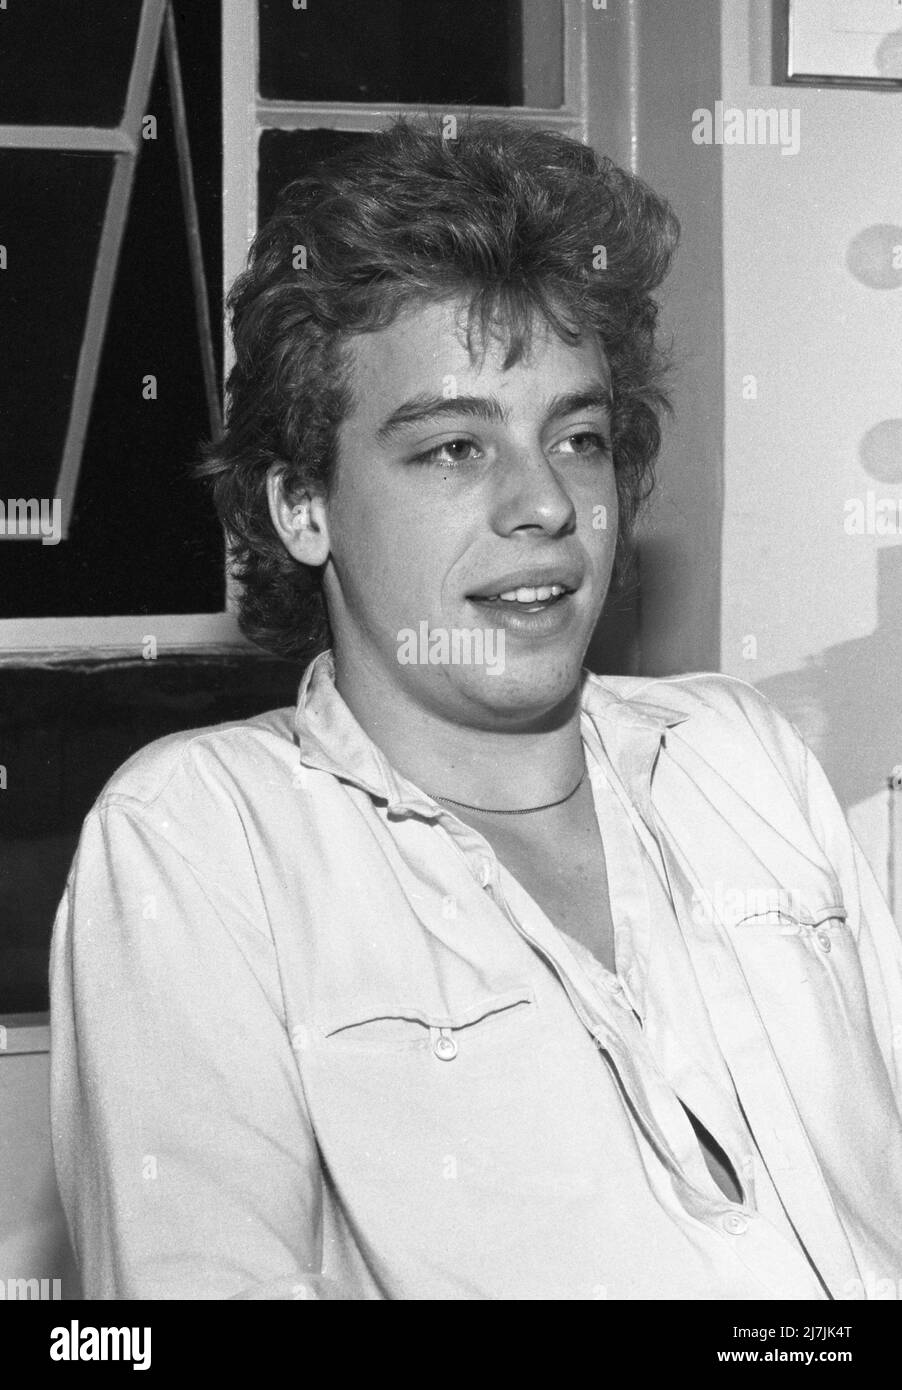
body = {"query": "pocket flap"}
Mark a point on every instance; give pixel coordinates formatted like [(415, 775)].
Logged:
[(469, 1013), (772, 906)]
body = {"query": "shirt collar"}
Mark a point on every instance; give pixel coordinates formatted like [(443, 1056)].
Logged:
[(330, 739)]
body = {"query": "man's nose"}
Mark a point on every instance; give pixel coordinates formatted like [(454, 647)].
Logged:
[(531, 493)]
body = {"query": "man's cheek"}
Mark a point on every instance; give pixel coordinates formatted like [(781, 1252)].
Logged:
[(599, 523)]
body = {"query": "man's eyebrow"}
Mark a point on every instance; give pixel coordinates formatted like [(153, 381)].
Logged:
[(595, 396), (425, 407)]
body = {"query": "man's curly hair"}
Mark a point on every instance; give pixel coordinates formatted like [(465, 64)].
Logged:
[(513, 220)]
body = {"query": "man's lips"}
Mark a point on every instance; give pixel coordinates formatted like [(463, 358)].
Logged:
[(524, 599), (529, 586)]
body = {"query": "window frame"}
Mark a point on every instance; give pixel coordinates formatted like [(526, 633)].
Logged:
[(56, 639)]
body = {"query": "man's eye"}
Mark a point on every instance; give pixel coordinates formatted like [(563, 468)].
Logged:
[(450, 452), (586, 442)]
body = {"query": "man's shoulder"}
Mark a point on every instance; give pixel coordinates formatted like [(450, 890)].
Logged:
[(219, 754), (718, 715)]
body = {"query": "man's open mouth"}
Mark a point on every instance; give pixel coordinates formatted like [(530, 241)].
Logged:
[(525, 599)]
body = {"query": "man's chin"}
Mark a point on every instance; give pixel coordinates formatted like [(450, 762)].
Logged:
[(523, 693)]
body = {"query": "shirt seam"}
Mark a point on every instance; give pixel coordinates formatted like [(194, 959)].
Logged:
[(114, 795), (204, 882)]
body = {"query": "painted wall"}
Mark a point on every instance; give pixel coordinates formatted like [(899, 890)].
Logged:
[(674, 65), (812, 283), (34, 1243)]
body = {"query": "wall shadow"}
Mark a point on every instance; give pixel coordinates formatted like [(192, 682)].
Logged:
[(847, 700)]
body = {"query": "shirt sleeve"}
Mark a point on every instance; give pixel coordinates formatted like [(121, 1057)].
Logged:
[(870, 920), (185, 1157)]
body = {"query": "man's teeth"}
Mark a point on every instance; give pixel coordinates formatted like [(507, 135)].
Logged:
[(540, 595)]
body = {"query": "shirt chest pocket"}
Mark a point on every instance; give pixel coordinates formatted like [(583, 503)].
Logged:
[(809, 1007), (806, 929), (442, 1034), (800, 960)]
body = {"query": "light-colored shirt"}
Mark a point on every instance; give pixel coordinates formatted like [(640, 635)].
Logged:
[(311, 1040)]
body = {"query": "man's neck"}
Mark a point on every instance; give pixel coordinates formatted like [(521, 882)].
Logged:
[(529, 761)]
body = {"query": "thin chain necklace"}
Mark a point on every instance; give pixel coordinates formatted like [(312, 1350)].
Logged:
[(524, 811)]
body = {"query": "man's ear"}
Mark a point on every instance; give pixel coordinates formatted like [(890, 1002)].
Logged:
[(300, 520)]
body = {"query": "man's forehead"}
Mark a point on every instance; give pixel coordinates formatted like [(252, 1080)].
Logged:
[(426, 349)]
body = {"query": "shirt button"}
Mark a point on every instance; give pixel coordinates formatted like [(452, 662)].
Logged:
[(485, 873), (824, 941), (445, 1047), (735, 1224)]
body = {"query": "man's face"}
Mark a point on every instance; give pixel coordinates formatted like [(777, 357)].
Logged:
[(457, 483)]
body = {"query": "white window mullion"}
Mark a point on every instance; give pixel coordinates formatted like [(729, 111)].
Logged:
[(310, 115), (239, 141), (52, 641)]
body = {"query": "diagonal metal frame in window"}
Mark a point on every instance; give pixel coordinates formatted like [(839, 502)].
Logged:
[(53, 641), (157, 24)]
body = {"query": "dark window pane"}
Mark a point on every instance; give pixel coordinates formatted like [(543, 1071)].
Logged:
[(144, 537), (66, 64), (285, 154), (62, 735), (453, 51), (53, 205)]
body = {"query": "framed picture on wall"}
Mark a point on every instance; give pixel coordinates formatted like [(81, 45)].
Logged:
[(852, 43)]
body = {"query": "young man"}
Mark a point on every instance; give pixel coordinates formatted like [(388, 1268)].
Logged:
[(476, 976)]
